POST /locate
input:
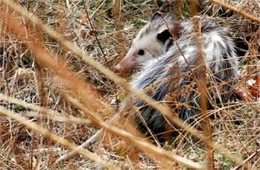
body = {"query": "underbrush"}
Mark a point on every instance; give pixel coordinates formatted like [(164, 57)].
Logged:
[(62, 91)]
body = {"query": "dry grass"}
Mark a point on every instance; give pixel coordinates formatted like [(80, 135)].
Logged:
[(60, 97)]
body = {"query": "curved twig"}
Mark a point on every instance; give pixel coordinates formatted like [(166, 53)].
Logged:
[(238, 11)]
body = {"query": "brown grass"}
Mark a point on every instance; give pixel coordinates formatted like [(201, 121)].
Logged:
[(202, 88), (64, 95), (44, 58)]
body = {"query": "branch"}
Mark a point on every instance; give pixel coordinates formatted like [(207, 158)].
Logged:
[(95, 33), (246, 160), (239, 12)]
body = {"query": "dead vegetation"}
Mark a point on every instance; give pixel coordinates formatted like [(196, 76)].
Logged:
[(57, 92)]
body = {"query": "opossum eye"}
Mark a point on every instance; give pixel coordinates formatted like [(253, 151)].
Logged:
[(140, 52)]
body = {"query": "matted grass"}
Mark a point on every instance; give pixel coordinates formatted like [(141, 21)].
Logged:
[(72, 99)]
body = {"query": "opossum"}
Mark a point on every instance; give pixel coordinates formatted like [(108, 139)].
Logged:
[(167, 65)]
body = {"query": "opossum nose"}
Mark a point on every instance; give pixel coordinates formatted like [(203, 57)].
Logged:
[(118, 68)]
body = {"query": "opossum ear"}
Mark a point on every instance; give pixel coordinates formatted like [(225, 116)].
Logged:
[(164, 35), (155, 16)]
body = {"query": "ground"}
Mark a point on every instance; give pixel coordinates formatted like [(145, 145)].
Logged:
[(103, 31)]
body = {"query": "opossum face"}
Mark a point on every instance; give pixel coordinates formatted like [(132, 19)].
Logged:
[(148, 44)]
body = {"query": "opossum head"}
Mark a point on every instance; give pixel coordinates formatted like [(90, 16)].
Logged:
[(148, 44)]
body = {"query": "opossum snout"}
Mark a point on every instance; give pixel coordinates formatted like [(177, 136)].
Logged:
[(126, 64), (122, 69), (118, 68)]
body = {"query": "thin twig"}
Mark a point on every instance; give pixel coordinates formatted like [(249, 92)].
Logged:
[(95, 33), (247, 159), (238, 11), (91, 140)]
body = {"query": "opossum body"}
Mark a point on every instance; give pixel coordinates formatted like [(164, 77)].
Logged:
[(167, 77)]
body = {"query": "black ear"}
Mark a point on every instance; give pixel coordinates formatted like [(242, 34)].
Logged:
[(155, 16), (164, 35)]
